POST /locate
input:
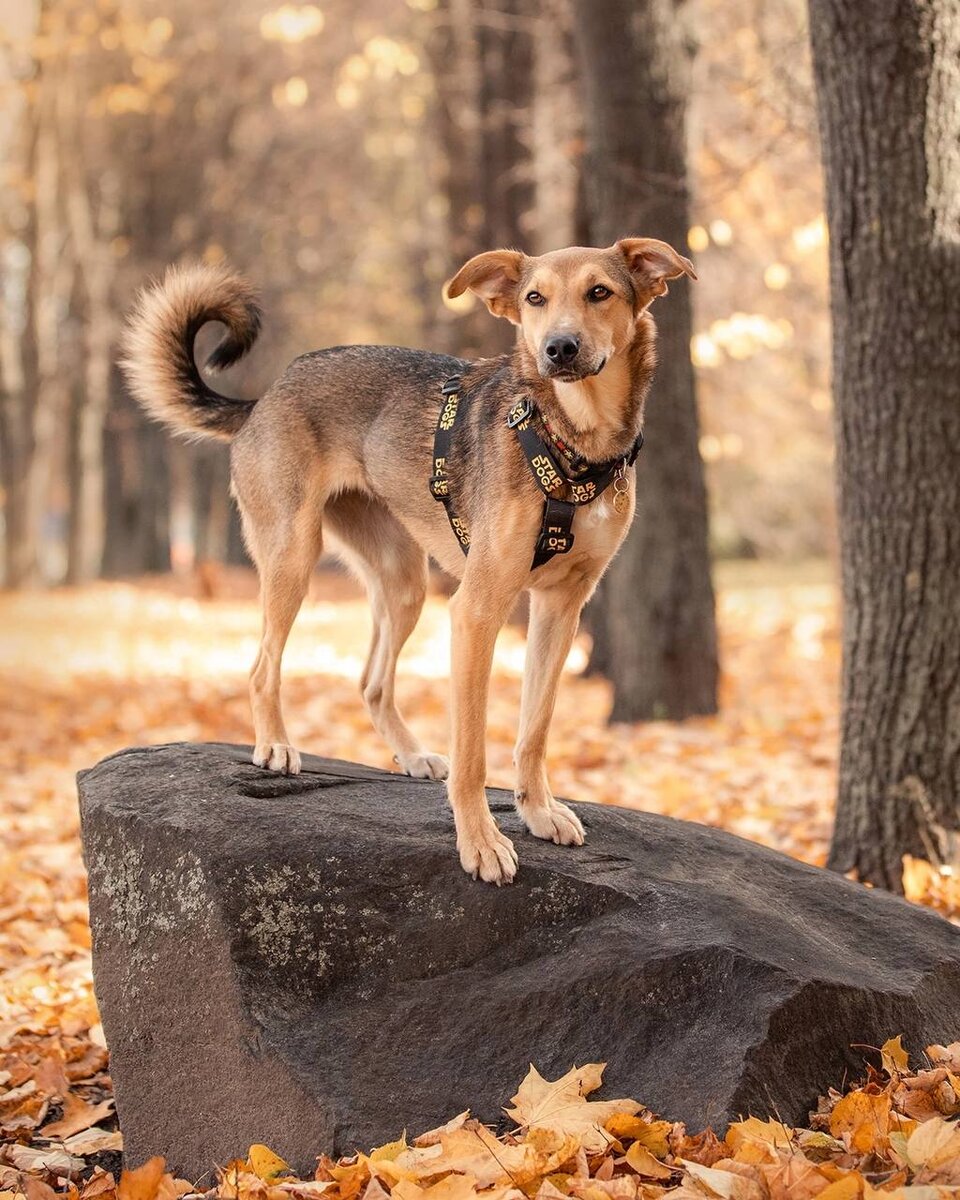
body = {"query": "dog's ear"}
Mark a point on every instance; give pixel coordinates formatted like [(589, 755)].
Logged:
[(493, 277), (651, 264)]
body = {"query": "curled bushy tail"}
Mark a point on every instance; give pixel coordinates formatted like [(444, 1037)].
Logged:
[(157, 346)]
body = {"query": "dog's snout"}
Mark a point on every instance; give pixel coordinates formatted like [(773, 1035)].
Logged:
[(562, 349)]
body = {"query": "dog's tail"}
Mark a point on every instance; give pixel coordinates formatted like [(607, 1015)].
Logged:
[(157, 348)]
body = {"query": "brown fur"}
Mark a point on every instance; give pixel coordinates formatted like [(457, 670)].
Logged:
[(341, 445)]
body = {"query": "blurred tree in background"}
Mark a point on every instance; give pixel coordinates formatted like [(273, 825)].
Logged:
[(348, 156), (653, 623)]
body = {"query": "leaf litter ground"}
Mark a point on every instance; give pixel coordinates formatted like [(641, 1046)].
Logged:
[(91, 670)]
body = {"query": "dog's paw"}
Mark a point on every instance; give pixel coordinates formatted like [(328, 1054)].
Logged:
[(424, 766), (553, 821), (277, 756), (488, 855)]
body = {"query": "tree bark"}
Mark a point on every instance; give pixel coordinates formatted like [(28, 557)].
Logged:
[(654, 614), (890, 127), (482, 55)]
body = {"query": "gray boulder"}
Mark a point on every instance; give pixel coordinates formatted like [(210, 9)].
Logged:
[(301, 961)]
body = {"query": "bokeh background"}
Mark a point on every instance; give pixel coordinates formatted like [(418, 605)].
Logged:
[(348, 155)]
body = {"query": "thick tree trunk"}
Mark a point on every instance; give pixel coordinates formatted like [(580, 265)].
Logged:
[(656, 628), (482, 54), (556, 128), (890, 127)]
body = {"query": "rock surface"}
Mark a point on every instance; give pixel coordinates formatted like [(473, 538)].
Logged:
[(301, 961)]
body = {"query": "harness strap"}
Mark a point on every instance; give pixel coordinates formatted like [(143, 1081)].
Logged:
[(556, 527), (442, 441)]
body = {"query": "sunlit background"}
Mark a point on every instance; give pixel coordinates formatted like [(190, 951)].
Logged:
[(348, 155)]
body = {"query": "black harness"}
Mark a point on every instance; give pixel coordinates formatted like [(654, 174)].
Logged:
[(583, 483)]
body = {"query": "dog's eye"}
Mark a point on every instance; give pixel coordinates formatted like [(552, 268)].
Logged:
[(599, 292), (535, 299)]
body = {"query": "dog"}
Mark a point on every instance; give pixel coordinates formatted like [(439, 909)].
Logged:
[(343, 446)]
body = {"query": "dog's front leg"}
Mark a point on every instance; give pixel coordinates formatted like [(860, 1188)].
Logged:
[(554, 617), (477, 612)]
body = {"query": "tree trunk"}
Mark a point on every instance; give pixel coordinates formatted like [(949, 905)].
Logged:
[(556, 128), (482, 55), (656, 628), (890, 128)]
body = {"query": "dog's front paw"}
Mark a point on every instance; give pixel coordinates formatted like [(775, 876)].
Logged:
[(277, 756), (424, 766), (552, 821), (488, 854)]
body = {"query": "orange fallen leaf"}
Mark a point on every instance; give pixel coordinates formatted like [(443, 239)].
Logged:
[(77, 1115), (865, 1117), (644, 1163), (143, 1182)]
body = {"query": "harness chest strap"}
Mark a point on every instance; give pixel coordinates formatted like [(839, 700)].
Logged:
[(556, 527), (442, 441)]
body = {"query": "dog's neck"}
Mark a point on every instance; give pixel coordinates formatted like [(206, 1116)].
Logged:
[(600, 417)]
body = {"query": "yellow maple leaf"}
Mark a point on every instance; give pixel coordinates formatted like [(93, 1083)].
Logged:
[(265, 1164), (772, 1133), (561, 1105), (895, 1059)]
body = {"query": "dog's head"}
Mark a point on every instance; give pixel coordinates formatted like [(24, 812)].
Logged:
[(576, 308)]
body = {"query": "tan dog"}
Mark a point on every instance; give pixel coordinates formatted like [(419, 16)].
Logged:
[(342, 444)]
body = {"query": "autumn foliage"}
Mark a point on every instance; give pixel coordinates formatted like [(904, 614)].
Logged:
[(890, 1136), (96, 669)]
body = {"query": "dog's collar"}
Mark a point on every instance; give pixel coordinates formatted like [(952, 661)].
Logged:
[(583, 483), (578, 466)]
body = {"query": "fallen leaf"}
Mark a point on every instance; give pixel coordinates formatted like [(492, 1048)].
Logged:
[(94, 1141), (771, 1133), (893, 1056), (432, 1136), (562, 1105), (454, 1187), (644, 1163), (266, 1165), (846, 1188), (865, 1117), (77, 1115), (724, 1184), (143, 1182)]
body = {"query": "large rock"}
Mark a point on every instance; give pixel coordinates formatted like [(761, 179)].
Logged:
[(301, 961)]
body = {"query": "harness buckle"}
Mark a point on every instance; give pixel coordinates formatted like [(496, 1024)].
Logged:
[(452, 385), (519, 413), (440, 488)]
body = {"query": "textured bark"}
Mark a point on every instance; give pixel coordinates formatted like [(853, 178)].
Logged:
[(654, 615), (482, 57), (556, 128), (890, 127)]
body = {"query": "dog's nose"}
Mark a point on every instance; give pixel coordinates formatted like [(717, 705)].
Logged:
[(562, 349)]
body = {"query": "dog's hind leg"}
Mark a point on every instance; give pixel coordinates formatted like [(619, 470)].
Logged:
[(554, 616), (394, 569), (285, 553)]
